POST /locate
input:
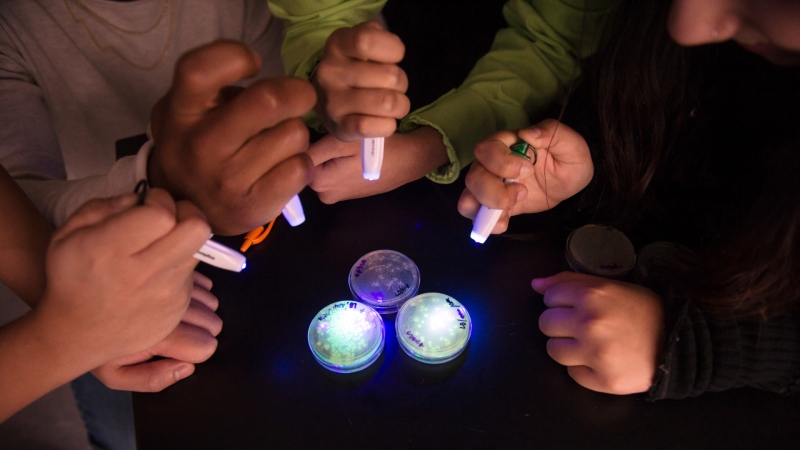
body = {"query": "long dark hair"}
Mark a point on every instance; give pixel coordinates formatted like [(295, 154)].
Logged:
[(657, 123)]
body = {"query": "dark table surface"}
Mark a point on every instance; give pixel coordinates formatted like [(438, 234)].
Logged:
[(263, 388)]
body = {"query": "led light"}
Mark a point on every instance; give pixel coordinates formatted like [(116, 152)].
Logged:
[(346, 336), (384, 280), (433, 328)]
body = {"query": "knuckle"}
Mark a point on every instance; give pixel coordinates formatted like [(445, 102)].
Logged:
[(265, 97), (362, 43), (389, 101)]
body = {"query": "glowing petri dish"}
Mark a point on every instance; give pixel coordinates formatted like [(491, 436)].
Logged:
[(346, 336), (384, 280), (600, 250), (433, 328)]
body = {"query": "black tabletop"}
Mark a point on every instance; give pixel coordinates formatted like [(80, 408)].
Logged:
[(263, 388)]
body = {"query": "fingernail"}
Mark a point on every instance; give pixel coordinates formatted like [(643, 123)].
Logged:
[(122, 201), (536, 132), (182, 371)]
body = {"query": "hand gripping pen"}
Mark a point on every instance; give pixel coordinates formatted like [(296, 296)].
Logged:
[(487, 217), (371, 157)]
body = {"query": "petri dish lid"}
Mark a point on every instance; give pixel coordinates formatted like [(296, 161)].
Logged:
[(433, 328), (346, 336), (659, 253), (600, 250), (384, 280)]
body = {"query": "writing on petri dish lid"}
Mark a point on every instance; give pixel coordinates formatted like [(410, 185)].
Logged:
[(433, 328), (384, 280), (600, 250), (346, 336)]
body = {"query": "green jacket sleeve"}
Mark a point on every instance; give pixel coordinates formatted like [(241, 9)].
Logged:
[(527, 69), (307, 25)]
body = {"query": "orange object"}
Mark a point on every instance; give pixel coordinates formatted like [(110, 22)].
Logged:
[(256, 236)]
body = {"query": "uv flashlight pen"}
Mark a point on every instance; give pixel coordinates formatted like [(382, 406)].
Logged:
[(371, 158), (212, 253), (487, 217)]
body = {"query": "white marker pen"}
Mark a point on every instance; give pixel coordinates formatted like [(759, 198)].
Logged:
[(215, 254), (487, 217), (293, 212), (371, 158)]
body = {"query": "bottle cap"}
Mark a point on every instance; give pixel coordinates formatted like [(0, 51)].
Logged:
[(384, 280), (346, 336), (600, 250), (433, 328)]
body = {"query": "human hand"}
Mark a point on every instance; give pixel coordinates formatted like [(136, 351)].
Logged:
[(119, 276), (407, 157), (360, 87), (608, 333), (239, 158), (191, 342), (561, 171)]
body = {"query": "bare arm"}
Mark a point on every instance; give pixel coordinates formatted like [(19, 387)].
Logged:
[(24, 235)]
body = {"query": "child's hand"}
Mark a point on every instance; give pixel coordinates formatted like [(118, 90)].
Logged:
[(608, 333), (119, 276), (360, 87), (191, 342), (407, 157), (239, 158), (560, 172)]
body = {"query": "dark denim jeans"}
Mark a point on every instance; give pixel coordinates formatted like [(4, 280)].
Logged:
[(108, 414)]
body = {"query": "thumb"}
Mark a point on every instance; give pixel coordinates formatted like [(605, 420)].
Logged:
[(153, 376)]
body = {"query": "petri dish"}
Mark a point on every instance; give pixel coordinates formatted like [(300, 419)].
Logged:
[(346, 336), (384, 280), (600, 250), (658, 254), (433, 328)]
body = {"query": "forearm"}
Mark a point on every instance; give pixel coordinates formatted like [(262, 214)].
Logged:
[(24, 235), (527, 69), (58, 199), (707, 354), (33, 364)]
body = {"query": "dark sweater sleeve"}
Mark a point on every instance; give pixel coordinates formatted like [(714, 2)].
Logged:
[(707, 354)]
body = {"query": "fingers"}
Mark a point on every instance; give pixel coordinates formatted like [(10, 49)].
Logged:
[(262, 105), (496, 157), (468, 206), (490, 191), (367, 41), (329, 148), (201, 316), (362, 74), (564, 144), (151, 376), (203, 296), (263, 152), (201, 73), (566, 351), (541, 285), (94, 212), (181, 242), (558, 322), (202, 281), (187, 343), (370, 102), (280, 184)]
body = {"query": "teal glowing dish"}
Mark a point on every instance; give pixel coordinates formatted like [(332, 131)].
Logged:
[(384, 280), (433, 328), (346, 336)]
